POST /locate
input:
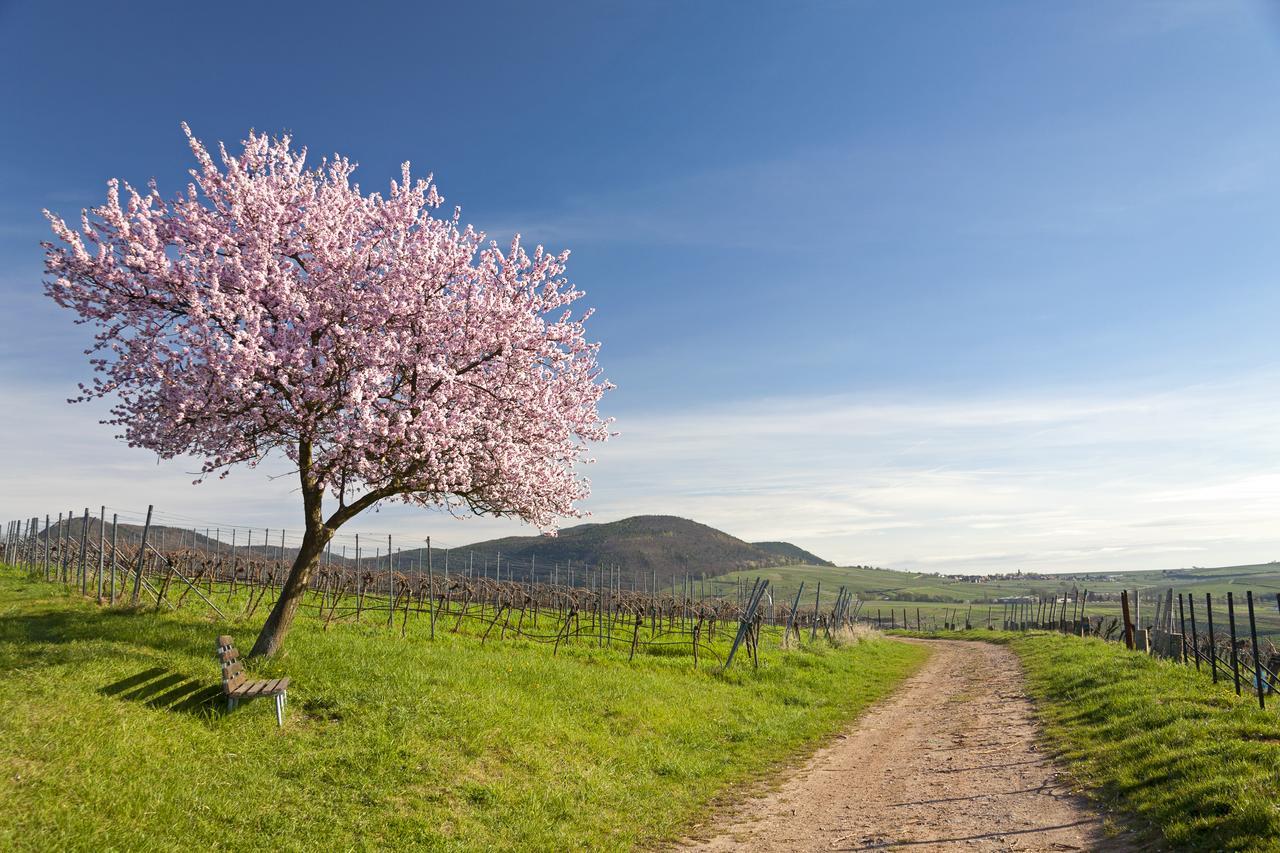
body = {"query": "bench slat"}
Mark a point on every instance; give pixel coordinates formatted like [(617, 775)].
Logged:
[(266, 687), (246, 690)]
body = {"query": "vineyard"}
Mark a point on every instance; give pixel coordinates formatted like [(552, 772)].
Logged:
[(605, 606), (477, 716)]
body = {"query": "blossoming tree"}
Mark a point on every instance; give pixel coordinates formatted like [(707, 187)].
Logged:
[(388, 352)]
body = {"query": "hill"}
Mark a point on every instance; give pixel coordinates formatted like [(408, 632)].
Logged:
[(793, 553), (640, 547), (166, 538)]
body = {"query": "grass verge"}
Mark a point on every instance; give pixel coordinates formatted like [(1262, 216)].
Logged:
[(112, 735), (1157, 739)]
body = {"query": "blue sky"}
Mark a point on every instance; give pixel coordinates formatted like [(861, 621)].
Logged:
[(929, 285)]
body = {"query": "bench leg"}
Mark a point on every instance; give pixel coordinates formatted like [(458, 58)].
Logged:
[(280, 709), (231, 703)]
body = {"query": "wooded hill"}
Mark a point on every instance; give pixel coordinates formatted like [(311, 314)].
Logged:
[(643, 547)]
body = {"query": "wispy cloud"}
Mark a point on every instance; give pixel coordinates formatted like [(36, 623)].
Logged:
[(1092, 480), (867, 195)]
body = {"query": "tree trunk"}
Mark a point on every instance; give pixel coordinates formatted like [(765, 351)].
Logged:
[(277, 625), (317, 536)]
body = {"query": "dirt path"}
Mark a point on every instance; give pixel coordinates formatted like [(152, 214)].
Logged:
[(949, 762)]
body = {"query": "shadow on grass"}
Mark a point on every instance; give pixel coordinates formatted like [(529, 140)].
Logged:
[(50, 633), (164, 689), (50, 627)]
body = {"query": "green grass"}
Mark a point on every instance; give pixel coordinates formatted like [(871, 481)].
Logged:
[(1157, 739), (415, 743)]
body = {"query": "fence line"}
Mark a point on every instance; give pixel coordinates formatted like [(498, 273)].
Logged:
[(1172, 632)]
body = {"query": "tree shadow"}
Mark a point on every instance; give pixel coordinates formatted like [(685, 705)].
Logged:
[(45, 633), (51, 634), (165, 690)]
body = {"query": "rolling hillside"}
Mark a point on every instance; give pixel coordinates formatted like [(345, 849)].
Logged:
[(642, 547)]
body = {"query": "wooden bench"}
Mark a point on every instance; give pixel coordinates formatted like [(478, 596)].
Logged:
[(236, 687)]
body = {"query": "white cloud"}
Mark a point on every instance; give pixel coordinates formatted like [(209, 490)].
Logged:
[(1093, 480)]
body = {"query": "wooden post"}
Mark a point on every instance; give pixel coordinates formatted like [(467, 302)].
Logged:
[(84, 552), (142, 556), (1128, 626), (1257, 662), (1182, 627), (102, 549), (817, 602), (46, 546), (791, 617), (1235, 655), (748, 614), (64, 562), (1195, 639), (115, 530), (1213, 650)]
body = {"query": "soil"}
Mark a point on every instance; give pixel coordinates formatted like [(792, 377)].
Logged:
[(950, 761)]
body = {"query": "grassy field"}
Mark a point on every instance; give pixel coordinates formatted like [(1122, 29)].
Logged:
[(111, 736), (1157, 740), (888, 591)]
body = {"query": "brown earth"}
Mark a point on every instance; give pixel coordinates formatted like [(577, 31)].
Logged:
[(948, 762)]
